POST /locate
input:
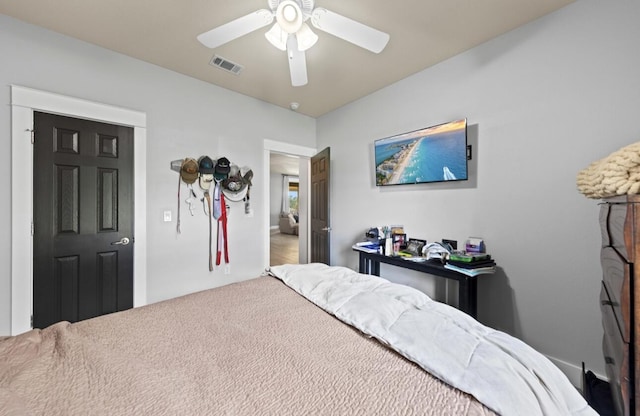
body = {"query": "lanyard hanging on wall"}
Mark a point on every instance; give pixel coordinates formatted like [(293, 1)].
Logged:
[(208, 198)]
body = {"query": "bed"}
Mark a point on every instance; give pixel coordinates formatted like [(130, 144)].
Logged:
[(300, 340)]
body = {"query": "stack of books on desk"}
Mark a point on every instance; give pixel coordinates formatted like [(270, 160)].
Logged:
[(471, 264), (367, 246)]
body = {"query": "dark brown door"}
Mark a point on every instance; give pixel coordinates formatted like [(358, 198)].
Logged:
[(83, 204), (320, 241)]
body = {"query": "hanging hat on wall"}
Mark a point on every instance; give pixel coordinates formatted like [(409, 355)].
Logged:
[(206, 165), (189, 170), (222, 168), (234, 170), (234, 187), (205, 181), (247, 175), (207, 170)]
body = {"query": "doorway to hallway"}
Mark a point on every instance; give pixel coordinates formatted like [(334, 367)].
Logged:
[(284, 212)]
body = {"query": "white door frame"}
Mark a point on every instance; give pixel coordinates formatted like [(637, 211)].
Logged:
[(24, 101), (304, 196)]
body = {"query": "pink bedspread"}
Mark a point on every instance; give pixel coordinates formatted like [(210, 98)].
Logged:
[(250, 348)]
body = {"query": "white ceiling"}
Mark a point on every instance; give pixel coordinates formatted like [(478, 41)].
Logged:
[(163, 32), (284, 164)]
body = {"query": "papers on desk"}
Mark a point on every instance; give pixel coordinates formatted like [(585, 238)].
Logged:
[(471, 272), (417, 259), (367, 247)]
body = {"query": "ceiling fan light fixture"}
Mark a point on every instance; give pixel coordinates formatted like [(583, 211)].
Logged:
[(306, 38), (289, 13), (277, 37), (291, 19), (289, 16)]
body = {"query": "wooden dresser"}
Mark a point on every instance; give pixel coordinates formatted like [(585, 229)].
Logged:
[(620, 299)]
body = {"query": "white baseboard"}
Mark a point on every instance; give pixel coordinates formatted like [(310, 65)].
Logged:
[(573, 372)]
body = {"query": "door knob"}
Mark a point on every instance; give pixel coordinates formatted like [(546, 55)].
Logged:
[(124, 241), (326, 229)]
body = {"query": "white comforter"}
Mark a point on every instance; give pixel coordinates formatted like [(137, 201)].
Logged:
[(501, 371)]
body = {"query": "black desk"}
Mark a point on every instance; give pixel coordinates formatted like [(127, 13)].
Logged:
[(467, 285)]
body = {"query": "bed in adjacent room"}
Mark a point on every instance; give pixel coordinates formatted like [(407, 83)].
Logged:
[(304, 339)]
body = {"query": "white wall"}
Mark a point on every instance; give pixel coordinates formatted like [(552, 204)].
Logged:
[(185, 117), (543, 102)]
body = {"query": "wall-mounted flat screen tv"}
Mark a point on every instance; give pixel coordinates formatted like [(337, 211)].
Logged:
[(433, 154)]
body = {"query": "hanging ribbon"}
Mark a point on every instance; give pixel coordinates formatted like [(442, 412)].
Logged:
[(178, 222), (222, 233), (208, 198)]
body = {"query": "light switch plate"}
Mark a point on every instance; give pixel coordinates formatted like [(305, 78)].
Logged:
[(167, 216)]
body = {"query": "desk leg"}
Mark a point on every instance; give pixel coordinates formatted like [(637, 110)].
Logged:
[(362, 264), (468, 296), (375, 268), (368, 265)]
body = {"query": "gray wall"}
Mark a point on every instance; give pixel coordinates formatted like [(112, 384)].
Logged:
[(543, 102), (185, 117)]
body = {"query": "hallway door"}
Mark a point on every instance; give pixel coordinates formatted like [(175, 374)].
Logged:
[(320, 224)]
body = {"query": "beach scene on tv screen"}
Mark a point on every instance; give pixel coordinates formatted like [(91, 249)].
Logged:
[(433, 154)]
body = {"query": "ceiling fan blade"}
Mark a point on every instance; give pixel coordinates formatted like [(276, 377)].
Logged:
[(297, 63), (236, 28), (340, 26)]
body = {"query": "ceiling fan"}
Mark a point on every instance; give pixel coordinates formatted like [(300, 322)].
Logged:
[(292, 34)]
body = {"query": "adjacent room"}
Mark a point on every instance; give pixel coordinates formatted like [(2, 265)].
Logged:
[(237, 154), (284, 214)]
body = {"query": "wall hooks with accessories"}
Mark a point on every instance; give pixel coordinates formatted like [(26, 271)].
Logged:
[(219, 182)]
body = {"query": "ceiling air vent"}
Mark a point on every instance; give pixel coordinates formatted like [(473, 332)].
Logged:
[(226, 64)]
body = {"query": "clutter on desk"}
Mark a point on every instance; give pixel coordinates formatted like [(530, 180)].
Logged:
[(413, 248), (373, 238), (389, 240), (367, 246), (469, 257), (474, 245), (399, 243), (437, 251), (374, 241), (392, 241), (374, 234), (473, 260), (396, 229), (471, 263)]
